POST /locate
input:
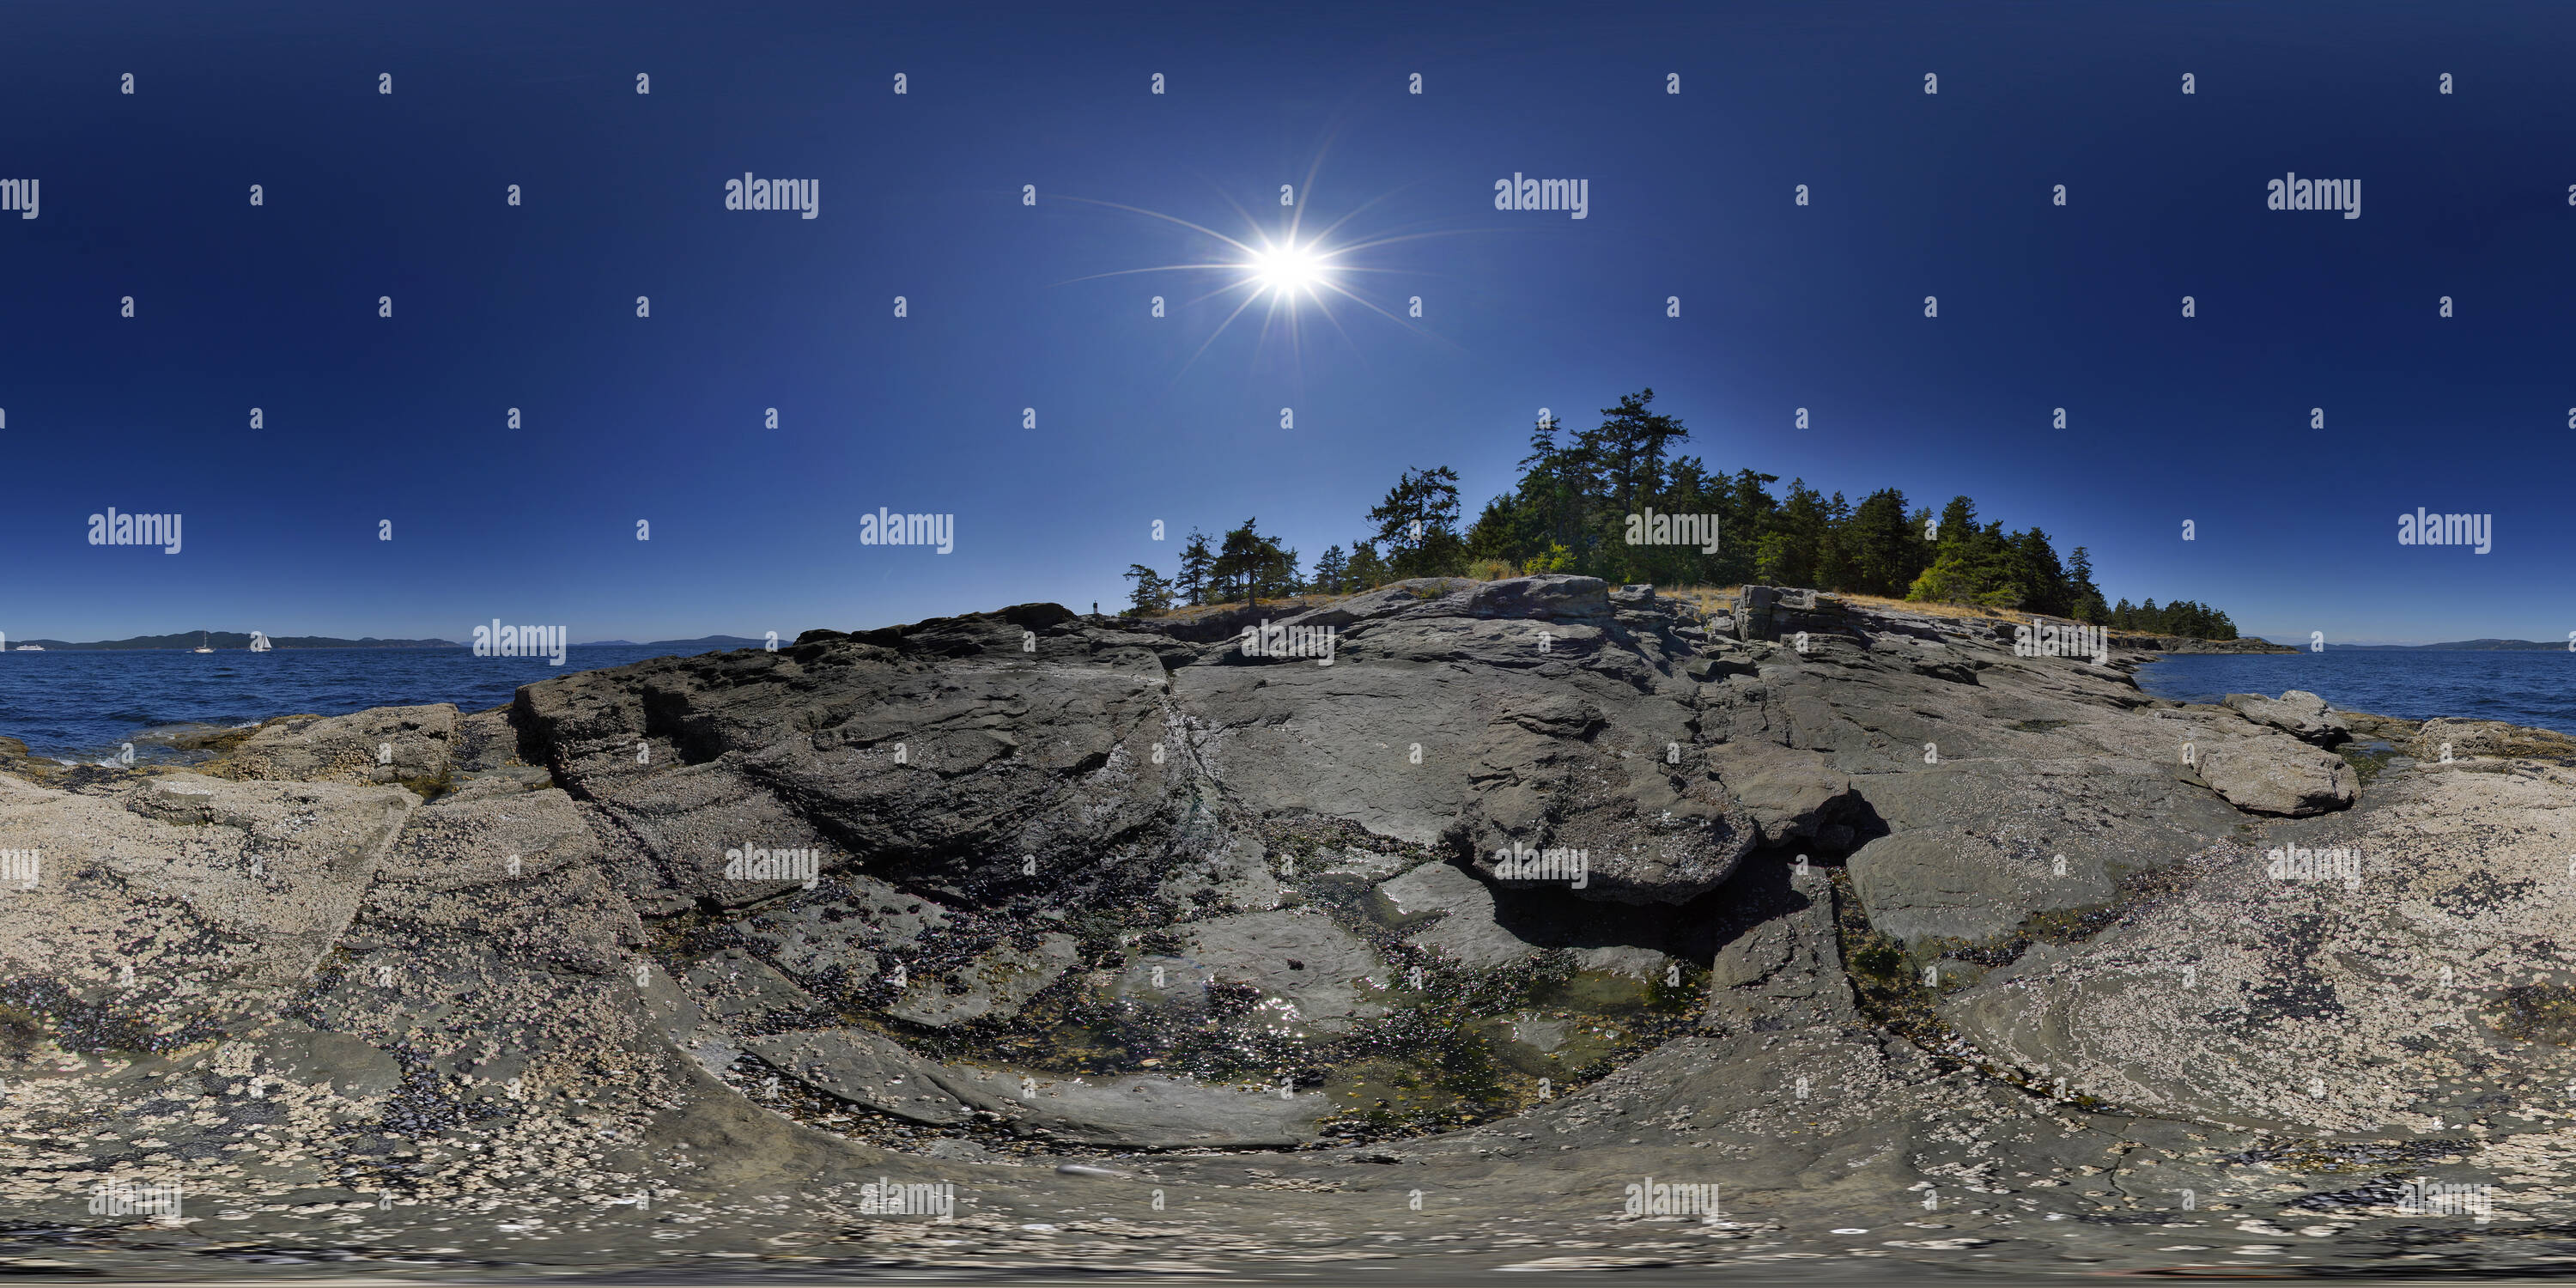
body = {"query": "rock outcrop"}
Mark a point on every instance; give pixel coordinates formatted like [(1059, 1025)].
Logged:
[(2463, 738), (1848, 911), (2298, 713), (378, 745)]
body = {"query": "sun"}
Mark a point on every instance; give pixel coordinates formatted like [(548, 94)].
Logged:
[(1289, 270), (1286, 276)]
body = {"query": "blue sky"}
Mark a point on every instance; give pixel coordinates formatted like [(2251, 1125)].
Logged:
[(1137, 418)]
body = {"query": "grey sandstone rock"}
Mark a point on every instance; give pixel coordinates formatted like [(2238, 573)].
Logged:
[(1143, 1111), (2298, 713), (1132, 885), (378, 745), (2309, 997), (863, 1068), (1554, 597), (1308, 973), (2489, 738), (1789, 794), (1460, 914), (994, 985), (2274, 776)]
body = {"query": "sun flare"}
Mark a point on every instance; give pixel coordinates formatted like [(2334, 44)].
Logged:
[(1288, 269)]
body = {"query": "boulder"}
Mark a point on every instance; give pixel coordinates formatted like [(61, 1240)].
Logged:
[(1789, 794), (2273, 775), (1451, 915), (1783, 613), (2298, 713)]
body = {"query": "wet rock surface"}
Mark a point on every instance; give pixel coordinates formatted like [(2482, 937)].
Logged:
[(1908, 947)]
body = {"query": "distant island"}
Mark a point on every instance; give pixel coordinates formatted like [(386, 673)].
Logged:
[(702, 642), (2470, 646)]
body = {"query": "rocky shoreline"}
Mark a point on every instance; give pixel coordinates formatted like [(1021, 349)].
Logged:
[(1159, 952), (2186, 644)]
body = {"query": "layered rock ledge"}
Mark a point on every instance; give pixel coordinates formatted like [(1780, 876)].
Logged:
[(1853, 913)]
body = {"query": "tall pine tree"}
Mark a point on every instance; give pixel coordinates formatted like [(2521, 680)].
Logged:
[(1197, 561)]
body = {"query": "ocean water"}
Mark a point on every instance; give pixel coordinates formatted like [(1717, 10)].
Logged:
[(86, 705), (2534, 688)]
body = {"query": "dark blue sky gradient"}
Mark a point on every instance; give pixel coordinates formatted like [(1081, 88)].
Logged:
[(753, 530)]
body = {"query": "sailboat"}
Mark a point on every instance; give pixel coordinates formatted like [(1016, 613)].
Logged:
[(202, 646), (258, 642)]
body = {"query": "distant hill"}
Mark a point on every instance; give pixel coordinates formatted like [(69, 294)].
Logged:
[(2469, 646), (234, 640), (703, 643)]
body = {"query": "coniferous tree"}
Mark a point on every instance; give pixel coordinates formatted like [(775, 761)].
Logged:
[(1834, 565), (1247, 562), (1149, 594), (1886, 545), (1367, 571), (1628, 450), (1791, 551), (1197, 560), (1418, 521), (1332, 572), (1278, 575), (1958, 523), (2086, 598), (1553, 505), (1569, 512)]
